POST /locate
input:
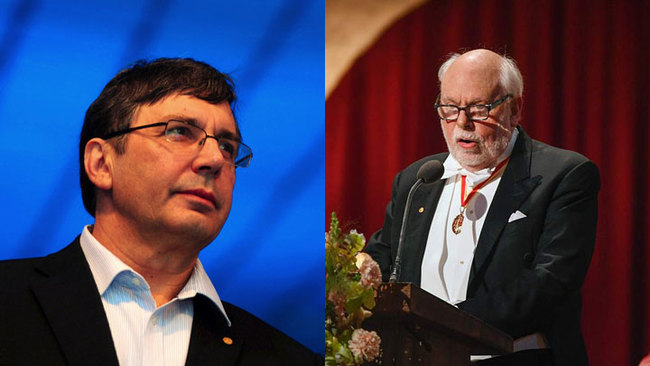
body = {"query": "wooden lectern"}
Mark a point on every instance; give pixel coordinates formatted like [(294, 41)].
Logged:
[(417, 328)]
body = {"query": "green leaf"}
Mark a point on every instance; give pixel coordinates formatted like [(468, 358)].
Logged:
[(369, 299)]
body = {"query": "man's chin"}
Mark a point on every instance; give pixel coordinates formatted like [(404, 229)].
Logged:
[(469, 160), (201, 228)]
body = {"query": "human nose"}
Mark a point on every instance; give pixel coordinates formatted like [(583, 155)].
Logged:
[(209, 157), (463, 121)]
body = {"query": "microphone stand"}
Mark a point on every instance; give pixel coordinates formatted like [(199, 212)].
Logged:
[(397, 267)]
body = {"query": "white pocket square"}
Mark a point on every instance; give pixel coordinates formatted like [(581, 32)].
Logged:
[(516, 216)]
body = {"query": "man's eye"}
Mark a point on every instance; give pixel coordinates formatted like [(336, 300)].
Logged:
[(447, 111), (180, 133), (228, 148)]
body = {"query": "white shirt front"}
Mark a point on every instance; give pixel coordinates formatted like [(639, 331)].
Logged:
[(448, 257), (144, 334)]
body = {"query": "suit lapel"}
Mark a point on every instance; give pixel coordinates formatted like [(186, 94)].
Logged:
[(67, 293), (515, 186), (212, 341)]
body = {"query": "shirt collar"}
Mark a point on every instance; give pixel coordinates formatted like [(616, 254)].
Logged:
[(106, 267), (453, 167)]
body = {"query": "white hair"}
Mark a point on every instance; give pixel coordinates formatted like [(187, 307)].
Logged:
[(445, 65), (510, 78)]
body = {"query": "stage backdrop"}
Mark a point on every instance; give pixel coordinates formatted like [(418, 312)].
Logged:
[(586, 72), (55, 58)]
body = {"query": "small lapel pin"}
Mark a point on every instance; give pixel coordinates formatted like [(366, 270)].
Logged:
[(227, 340), (421, 209)]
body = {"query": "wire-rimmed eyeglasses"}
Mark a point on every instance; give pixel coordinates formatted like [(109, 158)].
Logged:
[(185, 136), (474, 112)]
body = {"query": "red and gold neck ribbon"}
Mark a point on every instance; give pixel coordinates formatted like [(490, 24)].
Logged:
[(463, 199)]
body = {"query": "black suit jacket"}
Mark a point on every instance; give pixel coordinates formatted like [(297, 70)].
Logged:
[(526, 275), (51, 313)]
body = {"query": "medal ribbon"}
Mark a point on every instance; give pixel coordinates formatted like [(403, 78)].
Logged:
[(463, 199)]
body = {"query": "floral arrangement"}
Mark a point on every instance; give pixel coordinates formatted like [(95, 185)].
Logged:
[(350, 281)]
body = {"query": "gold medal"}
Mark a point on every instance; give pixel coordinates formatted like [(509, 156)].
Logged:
[(457, 225)]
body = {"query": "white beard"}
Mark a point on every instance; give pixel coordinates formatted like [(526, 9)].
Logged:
[(485, 153)]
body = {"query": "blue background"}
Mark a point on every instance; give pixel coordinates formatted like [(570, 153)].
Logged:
[(55, 58)]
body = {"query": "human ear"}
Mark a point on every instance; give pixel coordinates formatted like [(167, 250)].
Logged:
[(515, 110), (97, 163)]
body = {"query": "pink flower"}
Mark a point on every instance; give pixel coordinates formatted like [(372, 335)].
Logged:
[(364, 344), (369, 270), (338, 300)]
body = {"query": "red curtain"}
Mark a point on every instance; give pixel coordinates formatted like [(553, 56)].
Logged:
[(586, 73)]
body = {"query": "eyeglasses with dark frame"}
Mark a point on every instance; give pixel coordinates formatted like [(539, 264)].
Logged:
[(184, 135), (474, 112)]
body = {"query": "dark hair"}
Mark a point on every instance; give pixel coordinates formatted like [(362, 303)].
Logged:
[(146, 83)]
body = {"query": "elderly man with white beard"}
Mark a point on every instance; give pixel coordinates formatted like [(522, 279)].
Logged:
[(507, 234)]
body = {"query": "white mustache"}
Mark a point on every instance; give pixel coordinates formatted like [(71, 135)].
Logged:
[(466, 135)]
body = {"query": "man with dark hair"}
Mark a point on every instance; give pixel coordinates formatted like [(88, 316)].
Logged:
[(508, 233), (157, 154)]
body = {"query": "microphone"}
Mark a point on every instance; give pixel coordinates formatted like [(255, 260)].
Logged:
[(429, 172)]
